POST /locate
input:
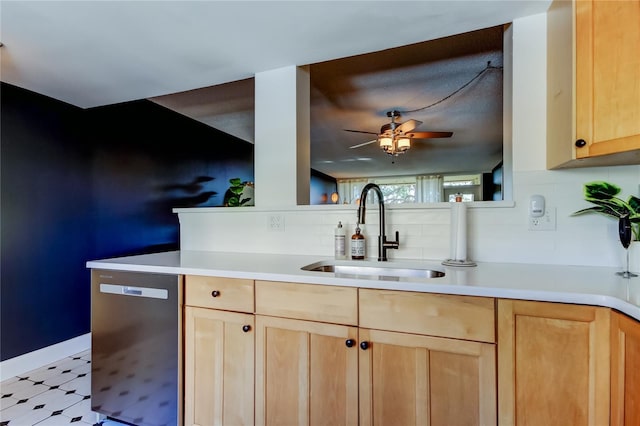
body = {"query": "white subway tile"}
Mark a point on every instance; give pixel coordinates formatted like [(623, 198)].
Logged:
[(494, 234)]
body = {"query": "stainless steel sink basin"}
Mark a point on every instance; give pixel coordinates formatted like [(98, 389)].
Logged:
[(376, 272)]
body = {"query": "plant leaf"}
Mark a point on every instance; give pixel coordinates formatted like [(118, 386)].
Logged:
[(634, 203), (614, 206), (603, 195), (601, 190), (598, 209)]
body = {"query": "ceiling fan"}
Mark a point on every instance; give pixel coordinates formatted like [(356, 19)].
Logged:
[(395, 138)]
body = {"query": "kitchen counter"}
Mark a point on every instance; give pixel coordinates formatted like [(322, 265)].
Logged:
[(587, 285)]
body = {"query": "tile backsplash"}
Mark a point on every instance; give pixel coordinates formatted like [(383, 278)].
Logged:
[(495, 234)]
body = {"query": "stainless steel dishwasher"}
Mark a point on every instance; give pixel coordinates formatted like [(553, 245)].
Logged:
[(136, 340)]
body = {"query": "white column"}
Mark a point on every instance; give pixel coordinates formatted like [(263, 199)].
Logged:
[(282, 129)]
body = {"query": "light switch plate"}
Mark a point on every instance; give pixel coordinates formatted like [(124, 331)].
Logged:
[(276, 223)]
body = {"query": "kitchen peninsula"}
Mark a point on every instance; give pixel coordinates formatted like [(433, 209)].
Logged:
[(505, 332), (598, 286)]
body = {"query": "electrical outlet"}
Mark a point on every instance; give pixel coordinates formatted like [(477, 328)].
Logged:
[(276, 223), (546, 222)]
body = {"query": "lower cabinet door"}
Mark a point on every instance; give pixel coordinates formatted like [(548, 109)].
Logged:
[(554, 364), (625, 370), (408, 379), (219, 367), (306, 373)]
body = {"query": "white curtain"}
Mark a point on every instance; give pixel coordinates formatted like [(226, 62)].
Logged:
[(429, 189), (350, 189)]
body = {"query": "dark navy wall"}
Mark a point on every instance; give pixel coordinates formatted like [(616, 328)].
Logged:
[(46, 215), (148, 160), (86, 184)]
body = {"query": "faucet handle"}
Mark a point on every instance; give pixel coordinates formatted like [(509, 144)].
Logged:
[(393, 244), (384, 245)]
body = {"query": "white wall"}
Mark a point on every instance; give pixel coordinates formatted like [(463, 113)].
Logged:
[(282, 116), (496, 234)]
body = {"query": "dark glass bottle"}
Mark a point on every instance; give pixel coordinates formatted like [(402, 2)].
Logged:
[(358, 245)]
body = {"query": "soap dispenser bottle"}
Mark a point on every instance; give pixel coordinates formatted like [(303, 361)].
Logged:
[(358, 245), (340, 242)]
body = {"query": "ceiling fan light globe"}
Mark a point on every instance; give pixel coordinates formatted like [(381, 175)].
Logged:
[(404, 144), (386, 143)]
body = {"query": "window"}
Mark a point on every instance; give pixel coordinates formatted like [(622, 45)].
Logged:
[(399, 193), (414, 189)]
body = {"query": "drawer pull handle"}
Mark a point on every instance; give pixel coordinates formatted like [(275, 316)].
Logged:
[(246, 328), (350, 343), (580, 143), (364, 345), (215, 293)]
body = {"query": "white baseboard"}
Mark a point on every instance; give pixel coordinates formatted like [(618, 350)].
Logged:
[(36, 359)]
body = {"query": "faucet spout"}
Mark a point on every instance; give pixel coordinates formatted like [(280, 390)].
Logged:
[(383, 244)]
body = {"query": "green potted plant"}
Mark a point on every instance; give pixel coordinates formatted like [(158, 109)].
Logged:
[(239, 194), (604, 196)]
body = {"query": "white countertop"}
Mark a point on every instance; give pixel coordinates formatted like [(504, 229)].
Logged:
[(598, 286)]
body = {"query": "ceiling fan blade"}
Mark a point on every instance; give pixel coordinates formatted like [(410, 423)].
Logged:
[(408, 126), (429, 135), (360, 131), (363, 144)]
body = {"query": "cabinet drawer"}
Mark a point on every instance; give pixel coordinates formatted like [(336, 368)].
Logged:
[(230, 294), (458, 317), (324, 303)]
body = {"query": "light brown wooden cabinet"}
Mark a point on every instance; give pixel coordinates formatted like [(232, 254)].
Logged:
[(409, 379), (605, 106), (315, 366), (553, 364), (607, 76), (431, 376), (219, 352), (316, 354), (625, 370), (442, 315), (306, 373)]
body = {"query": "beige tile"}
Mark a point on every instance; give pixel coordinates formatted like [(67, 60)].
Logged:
[(24, 389), (82, 385), (56, 399), (24, 414)]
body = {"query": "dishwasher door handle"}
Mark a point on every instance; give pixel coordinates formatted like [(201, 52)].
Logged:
[(127, 290)]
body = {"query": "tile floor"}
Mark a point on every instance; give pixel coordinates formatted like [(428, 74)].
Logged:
[(54, 395)]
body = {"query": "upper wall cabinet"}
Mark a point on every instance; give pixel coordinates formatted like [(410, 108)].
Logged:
[(593, 83)]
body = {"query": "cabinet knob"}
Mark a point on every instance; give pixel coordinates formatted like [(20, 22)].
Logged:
[(350, 343), (215, 293), (246, 328), (580, 143), (364, 345)]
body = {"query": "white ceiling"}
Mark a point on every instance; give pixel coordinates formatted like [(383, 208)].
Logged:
[(94, 53)]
